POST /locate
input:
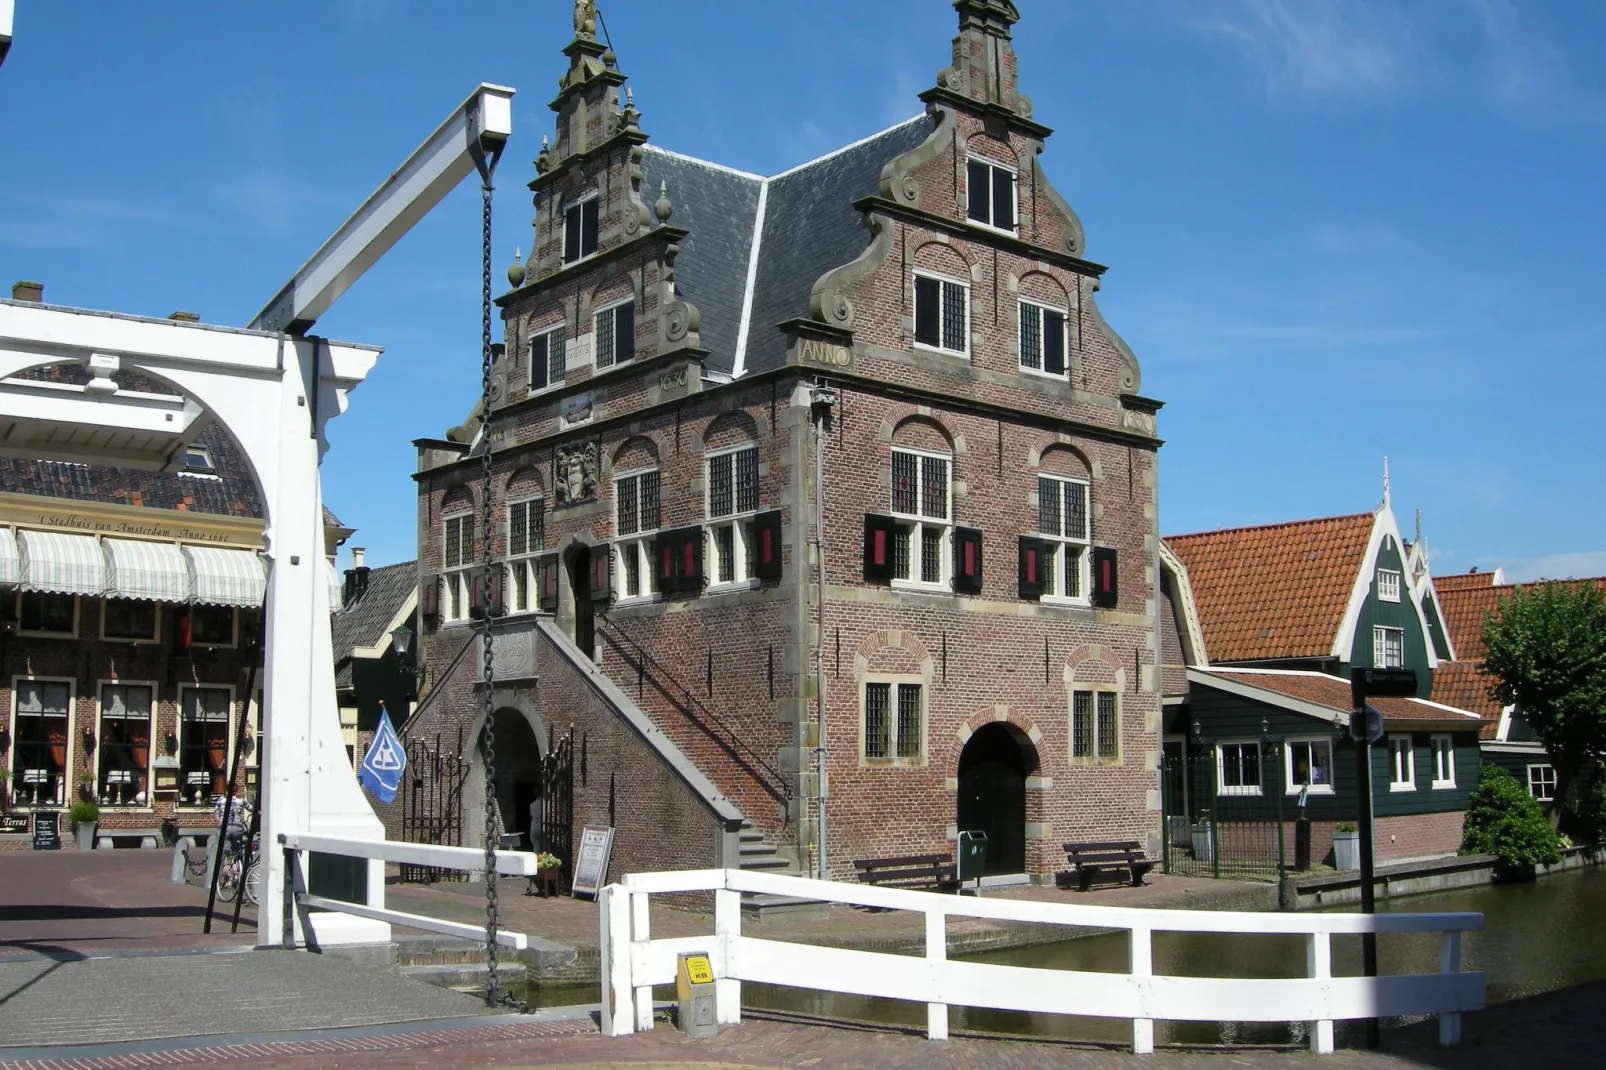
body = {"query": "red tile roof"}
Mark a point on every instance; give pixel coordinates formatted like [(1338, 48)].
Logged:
[(1464, 684), (1333, 693), (1277, 591), (1463, 580)]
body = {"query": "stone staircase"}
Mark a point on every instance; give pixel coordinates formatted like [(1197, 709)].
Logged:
[(759, 856)]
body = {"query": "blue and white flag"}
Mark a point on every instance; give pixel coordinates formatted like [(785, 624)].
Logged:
[(382, 766)]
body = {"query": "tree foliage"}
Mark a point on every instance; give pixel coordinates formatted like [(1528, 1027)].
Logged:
[(1505, 821), (1546, 648)]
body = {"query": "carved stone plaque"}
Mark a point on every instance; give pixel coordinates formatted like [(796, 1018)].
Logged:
[(574, 476), (824, 354)]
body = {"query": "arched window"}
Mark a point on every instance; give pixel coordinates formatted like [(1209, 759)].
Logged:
[(526, 537), (635, 523), (732, 507), (922, 506)]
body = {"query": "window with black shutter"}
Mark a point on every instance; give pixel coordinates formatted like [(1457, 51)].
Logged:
[(485, 597), (942, 314), (990, 194), (1105, 573), (616, 334), (767, 545), (547, 582), (547, 354), (601, 575), (1033, 552), (679, 561), (967, 560), (732, 515), (580, 228), (429, 598), (880, 535), (1042, 339)]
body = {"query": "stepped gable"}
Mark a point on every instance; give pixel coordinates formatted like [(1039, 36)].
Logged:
[(1276, 591)]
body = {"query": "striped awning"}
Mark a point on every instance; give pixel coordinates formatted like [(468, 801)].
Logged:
[(336, 585), (148, 571), (10, 558), (227, 577), (62, 564)]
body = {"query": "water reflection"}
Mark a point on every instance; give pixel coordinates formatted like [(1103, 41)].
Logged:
[(1534, 940)]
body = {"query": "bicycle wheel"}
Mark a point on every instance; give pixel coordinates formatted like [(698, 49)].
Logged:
[(228, 880), (253, 884)]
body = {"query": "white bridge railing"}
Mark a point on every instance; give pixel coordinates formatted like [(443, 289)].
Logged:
[(632, 962), (467, 859)]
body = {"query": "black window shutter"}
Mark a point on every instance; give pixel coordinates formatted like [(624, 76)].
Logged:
[(879, 531), (601, 578), (967, 560), (588, 226), (429, 598), (539, 362), (1031, 567), (624, 333), (928, 311), (546, 571), (1003, 199), (1054, 342), (476, 594), (665, 554), (1105, 573), (767, 548), (976, 175), (571, 235), (690, 565)]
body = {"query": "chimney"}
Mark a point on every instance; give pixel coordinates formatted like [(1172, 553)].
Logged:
[(185, 317), (357, 554), (28, 291), (356, 577)]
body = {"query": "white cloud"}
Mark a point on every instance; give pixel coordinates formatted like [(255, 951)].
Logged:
[(1556, 566), (1322, 50)]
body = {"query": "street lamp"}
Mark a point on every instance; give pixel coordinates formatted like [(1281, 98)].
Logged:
[(401, 641)]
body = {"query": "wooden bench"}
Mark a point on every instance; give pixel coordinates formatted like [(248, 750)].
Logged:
[(910, 871), (1089, 860)]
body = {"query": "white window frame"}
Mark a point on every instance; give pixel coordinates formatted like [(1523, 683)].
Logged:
[(912, 527), (580, 203), (100, 746), (1442, 748), (1388, 585), (207, 466), (522, 578), (1380, 636), (1222, 787), (894, 682), (611, 309), (228, 742), (637, 546), (1402, 744), (738, 522), (77, 612), (1094, 757), (992, 177), (1041, 370), (547, 332), (15, 785), (1548, 783), (1060, 545), (1294, 787), (457, 579), (942, 281), (156, 626)]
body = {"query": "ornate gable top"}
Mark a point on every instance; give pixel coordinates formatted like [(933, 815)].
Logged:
[(984, 68)]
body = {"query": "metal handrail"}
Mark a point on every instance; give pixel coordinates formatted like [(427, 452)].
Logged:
[(749, 756)]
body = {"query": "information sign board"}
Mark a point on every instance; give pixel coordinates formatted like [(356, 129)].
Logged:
[(591, 860), (47, 830)]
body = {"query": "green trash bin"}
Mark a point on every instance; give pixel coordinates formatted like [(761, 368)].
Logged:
[(972, 857)]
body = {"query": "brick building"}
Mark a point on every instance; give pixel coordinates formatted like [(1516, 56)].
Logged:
[(129, 606), (694, 358)]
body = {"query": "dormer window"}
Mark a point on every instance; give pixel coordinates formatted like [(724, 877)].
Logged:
[(991, 193), (1388, 585), (580, 230), (198, 459)]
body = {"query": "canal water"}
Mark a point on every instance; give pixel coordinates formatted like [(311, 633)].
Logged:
[(1534, 940)]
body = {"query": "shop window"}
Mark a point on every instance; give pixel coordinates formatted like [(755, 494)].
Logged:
[(1095, 726), (127, 618), (1238, 768), (1402, 764), (1042, 339), (124, 747), (942, 314), (921, 496), (635, 498), (548, 357), (893, 723), (732, 507), (203, 745), (212, 625), (39, 746), (1309, 766), (615, 335), (580, 229), (47, 613), (990, 194)]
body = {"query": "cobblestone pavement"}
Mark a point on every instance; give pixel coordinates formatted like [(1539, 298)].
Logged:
[(1559, 1031)]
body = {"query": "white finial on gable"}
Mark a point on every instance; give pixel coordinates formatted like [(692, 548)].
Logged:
[(1386, 483)]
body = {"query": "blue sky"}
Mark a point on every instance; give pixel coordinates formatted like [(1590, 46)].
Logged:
[(1336, 229)]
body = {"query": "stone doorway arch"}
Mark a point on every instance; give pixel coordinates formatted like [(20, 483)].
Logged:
[(993, 767)]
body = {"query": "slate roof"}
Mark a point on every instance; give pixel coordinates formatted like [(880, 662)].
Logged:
[(1277, 591), (365, 621), (1333, 693), (810, 227)]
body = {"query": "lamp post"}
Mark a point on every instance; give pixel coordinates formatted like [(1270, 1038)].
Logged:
[(1366, 728)]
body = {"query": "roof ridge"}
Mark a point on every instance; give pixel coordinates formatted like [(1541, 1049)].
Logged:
[(790, 170), (705, 163), (1267, 527)]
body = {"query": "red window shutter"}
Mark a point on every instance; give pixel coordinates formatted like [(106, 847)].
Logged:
[(878, 535), (1030, 578), (1106, 577), (967, 554), (767, 529)]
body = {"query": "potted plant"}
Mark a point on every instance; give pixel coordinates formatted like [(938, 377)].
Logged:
[(1346, 846), (85, 818), (545, 881)]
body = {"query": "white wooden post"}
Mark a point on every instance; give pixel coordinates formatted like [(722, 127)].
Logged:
[(1142, 952), (936, 955), (1319, 965), (727, 929), (1450, 962), (618, 1013), (640, 933)]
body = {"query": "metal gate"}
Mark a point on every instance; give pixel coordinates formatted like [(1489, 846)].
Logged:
[(1211, 834), (432, 803), (557, 803)]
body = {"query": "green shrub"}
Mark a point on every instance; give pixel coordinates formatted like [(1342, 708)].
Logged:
[(83, 812), (1505, 821)]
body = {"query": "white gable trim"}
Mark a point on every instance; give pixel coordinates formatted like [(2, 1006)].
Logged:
[(397, 619), (740, 367), (1192, 635), (1383, 523)]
